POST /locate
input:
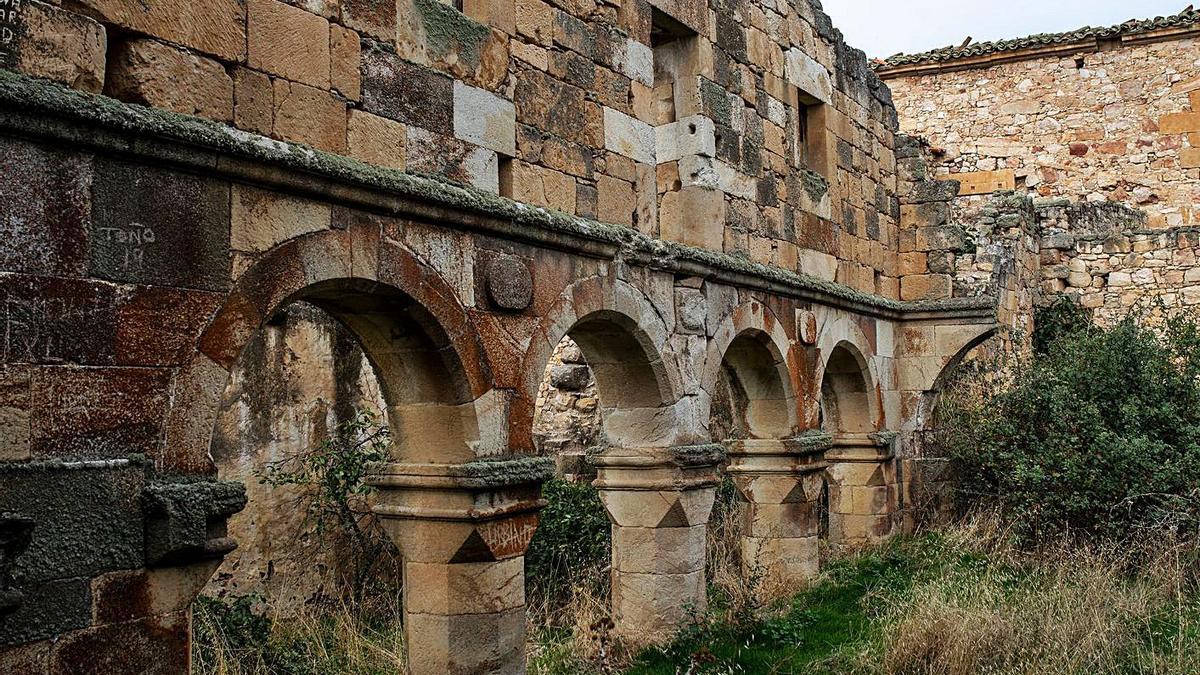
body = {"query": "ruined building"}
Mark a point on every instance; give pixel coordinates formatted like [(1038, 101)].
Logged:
[(1102, 125), (709, 198)]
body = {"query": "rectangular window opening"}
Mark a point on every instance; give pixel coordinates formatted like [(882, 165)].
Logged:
[(676, 57)]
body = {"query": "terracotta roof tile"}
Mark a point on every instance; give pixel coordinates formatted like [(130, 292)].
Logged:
[(1184, 19)]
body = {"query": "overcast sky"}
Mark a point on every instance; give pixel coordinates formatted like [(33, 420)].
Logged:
[(884, 27)]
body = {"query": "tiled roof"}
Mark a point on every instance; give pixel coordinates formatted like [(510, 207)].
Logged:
[(1183, 19)]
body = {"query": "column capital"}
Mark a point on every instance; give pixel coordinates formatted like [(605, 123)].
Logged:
[(478, 511), (875, 446), (678, 468), (791, 456)]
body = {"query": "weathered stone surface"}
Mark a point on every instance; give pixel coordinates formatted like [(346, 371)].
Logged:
[(155, 646), (405, 92), (432, 153), (309, 115), (260, 219), (810, 77), (345, 53), (628, 136), (217, 28), (482, 118), (160, 227), (570, 377), (97, 412), (59, 45), (376, 139), (52, 320), (154, 73), (288, 41), (509, 283), (45, 204)]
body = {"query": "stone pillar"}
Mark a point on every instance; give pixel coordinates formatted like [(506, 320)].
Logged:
[(659, 500), (862, 488), (780, 483), (463, 530)]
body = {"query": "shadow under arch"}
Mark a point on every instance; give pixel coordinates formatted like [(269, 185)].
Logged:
[(623, 340), (755, 386), (931, 397), (847, 402)]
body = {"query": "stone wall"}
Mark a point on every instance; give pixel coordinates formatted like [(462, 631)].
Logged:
[(733, 125), (1120, 124), (567, 422), (1105, 139)]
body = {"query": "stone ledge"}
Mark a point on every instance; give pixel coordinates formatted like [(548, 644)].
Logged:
[(40, 108), (483, 474)]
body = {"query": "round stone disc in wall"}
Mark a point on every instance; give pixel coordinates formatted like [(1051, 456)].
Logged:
[(509, 283)]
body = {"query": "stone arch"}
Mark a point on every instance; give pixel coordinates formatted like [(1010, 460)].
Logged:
[(932, 396), (624, 341), (752, 350), (848, 400), (431, 365)]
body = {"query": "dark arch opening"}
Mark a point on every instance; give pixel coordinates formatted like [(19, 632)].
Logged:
[(752, 398), (845, 393)]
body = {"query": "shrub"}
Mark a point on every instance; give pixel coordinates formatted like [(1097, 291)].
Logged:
[(332, 474), (573, 538), (1097, 435)]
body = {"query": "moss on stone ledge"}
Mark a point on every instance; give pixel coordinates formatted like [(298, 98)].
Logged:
[(42, 101)]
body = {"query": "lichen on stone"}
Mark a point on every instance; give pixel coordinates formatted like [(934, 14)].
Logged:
[(815, 185), (448, 30), (43, 101), (505, 471)]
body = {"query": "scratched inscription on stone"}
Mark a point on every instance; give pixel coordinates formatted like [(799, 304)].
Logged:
[(39, 330), (10, 29), (127, 245)]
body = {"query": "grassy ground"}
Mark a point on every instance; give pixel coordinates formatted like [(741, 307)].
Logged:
[(955, 602)]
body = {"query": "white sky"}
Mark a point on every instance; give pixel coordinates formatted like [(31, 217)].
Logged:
[(884, 27)]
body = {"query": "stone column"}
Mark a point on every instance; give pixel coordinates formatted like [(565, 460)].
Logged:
[(659, 500), (780, 483), (862, 488), (462, 530)]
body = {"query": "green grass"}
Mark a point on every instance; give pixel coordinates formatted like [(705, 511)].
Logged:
[(818, 631)]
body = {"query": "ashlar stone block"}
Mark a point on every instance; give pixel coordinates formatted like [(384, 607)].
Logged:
[(629, 136), (482, 118), (810, 77)]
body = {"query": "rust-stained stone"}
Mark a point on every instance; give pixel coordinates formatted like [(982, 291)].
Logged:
[(45, 203), (156, 226), (52, 320), (146, 336), (151, 646), (97, 412)]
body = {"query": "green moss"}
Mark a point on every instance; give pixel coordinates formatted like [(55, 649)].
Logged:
[(501, 472), (448, 30)]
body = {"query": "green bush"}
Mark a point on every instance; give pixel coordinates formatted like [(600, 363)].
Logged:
[(573, 539), (1097, 435)]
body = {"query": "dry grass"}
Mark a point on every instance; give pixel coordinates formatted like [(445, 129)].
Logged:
[(1086, 610), (243, 639)]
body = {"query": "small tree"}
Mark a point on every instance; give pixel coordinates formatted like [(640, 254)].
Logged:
[(331, 476)]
